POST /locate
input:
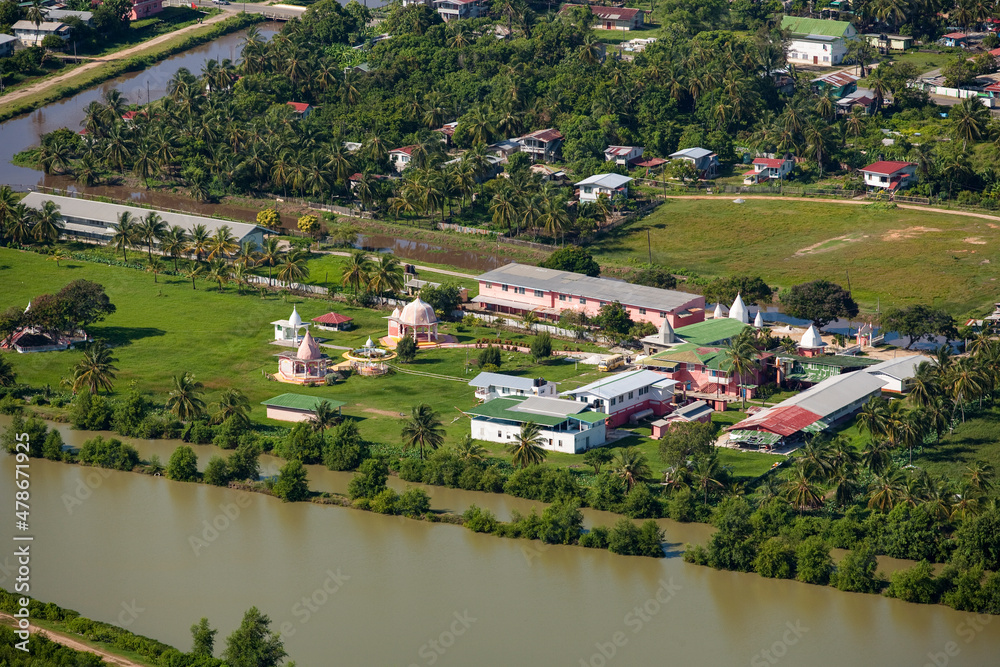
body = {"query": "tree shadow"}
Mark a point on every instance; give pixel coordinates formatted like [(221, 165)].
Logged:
[(122, 336), (673, 550)]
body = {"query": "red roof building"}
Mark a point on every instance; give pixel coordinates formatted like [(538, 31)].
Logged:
[(400, 157), (300, 108), (333, 322), (614, 18), (541, 144), (891, 175)]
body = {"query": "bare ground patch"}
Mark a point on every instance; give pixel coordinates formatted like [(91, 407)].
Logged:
[(827, 245), (975, 240), (381, 413), (908, 233)]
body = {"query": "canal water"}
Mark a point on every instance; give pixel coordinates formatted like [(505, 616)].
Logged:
[(354, 588)]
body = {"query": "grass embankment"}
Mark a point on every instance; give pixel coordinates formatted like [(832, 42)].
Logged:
[(326, 270), (166, 328), (136, 62), (895, 256)]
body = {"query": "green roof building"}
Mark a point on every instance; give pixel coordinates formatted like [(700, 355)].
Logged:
[(807, 371), (297, 407), (817, 41), (566, 426)]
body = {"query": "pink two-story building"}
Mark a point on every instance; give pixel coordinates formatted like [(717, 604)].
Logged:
[(520, 288), (145, 8)]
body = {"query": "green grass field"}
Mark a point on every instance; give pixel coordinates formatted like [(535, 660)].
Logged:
[(327, 270), (897, 256)]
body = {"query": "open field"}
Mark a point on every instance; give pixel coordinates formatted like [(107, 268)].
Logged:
[(324, 269), (977, 439), (897, 256)]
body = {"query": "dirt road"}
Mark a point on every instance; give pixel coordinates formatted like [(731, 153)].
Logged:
[(76, 645)]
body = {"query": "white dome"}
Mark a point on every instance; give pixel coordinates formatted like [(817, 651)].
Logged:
[(418, 313), (719, 312), (395, 312), (295, 320), (758, 321), (811, 338), (369, 343), (739, 311)]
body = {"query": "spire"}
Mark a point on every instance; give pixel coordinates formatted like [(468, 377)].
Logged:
[(28, 308), (758, 322), (811, 339), (719, 312), (667, 332), (738, 311), (308, 350), (295, 320)]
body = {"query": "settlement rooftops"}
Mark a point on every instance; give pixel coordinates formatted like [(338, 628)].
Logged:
[(610, 181), (620, 384)]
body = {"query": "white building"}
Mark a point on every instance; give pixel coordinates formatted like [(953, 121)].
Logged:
[(765, 169), (609, 185), (401, 157), (622, 155), (452, 10), (705, 162), (498, 385), (541, 144), (289, 329), (627, 396), (898, 373), (890, 175), (566, 426), (817, 41), (30, 34)]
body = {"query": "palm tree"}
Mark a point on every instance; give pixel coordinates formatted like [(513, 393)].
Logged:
[(194, 271), (149, 229), (233, 404), (155, 266), (979, 476), (631, 466), (707, 474), (468, 450), (872, 418), (294, 269), (386, 275), (58, 256), (358, 268), (174, 244), (324, 416), (199, 240), (886, 489), (218, 271), (816, 458), (222, 243), (526, 448), (48, 223), (800, 490), (125, 235), (967, 382), (875, 456), (35, 13), (269, 255), (423, 429), (96, 371), (185, 399), (970, 119), (740, 361)]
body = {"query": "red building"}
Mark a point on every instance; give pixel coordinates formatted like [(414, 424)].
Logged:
[(142, 9)]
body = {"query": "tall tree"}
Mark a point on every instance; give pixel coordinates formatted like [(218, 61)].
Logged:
[(253, 644), (423, 429), (526, 447)]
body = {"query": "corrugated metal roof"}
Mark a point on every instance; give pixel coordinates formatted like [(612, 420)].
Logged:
[(616, 385), (901, 368), (577, 284), (783, 420), (711, 331), (693, 411), (799, 25), (300, 402), (544, 411), (834, 394), (606, 180), (484, 380), (103, 212), (552, 407), (694, 153)]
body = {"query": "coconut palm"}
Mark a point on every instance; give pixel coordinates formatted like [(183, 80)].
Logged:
[(48, 223), (269, 255), (294, 268), (875, 456), (707, 474), (359, 267), (174, 244), (631, 466), (218, 271), (886, 489), (199, 241), (526, 448), (966, 381), (816, 458), (222, 243), (125, 235), (232, 404), (970, 119), (801, 491), (979, 475), (185, 399), (741, 360), (96, 371), (872, 418), (35, 12), (193, 272), (155, 266), (386, 275), (149, 229), (58, 256), (423, 429), (468, 450), (324, 416)]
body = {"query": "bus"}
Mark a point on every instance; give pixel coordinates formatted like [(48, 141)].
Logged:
[(611, 363)]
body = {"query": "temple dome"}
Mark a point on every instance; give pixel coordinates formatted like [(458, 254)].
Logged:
[(719, 312), (418, 313), (738, 311), (294, 319), (308, 350), (667, 332), (395, 312), (758, 321), (811, 339)]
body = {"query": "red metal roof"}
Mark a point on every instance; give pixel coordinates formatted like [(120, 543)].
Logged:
[(615, 13), (332, 318), (783, 421), (619, 150), (299, 107), (956, 35), (771, 163), (544, 135), (406, 150), (650, 162), (887, 167)]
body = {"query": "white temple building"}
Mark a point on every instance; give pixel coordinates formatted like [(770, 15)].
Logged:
[(812, 343), (416, 320), (289, 329), (738, 311), (758, 322), (307, 365)]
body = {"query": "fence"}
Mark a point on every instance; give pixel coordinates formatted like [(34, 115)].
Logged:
[(449, 227), (538, 327)]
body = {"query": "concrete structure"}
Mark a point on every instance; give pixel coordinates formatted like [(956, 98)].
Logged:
[(698, 411), (520, 288), (890, 175), (886, 43), (623, 155), (7, 43), (541, 145), (811, 343), (307, 366), (607, 185), (627, 397), (705, 161), (333, 322), (416, 320), (566, 426), (30, 34), (898, 374), (863, 98), (637, 45), (401, 157), (613, 18), (452, 10), (96, 221), (145, 8), (498, 385), (959, 39), (765, 169), (738, 311), (297, 407), (817, 41), (289, 329)]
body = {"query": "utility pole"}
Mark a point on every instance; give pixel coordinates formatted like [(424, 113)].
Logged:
[(649, 248)]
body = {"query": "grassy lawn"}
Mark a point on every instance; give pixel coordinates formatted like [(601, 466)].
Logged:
[(924, 62), (889, 253), (170, 19), (324, 269), (978, 439)]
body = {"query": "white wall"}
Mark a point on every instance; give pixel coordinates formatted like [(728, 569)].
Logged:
[(568, 442), (825, 53)]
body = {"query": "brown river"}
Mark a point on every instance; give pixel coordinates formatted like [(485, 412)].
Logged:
[(353, 588)]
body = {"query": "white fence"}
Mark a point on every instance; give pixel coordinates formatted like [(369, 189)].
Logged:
[(539, 327)]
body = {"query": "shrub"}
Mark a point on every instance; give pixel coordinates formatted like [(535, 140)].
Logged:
[(346, 449), (386, 502), (561, 523), (406, 350), (733, 546), (682, 507), (813, 561), (541, 346), (641, 503), (112, 454), (596, 538), (629, 540), (244, 463), (216, 472), (370, 480), (292, 485), (414, 503), (52, 449), (858, 571), (543, 483), (915, 584), (411, 470), (775, 559), (490, 356), (479, 520), (183, 465)]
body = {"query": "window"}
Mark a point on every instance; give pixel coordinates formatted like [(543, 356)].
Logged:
[(612, 401), (562, 297), (519, 290), (662, 314), (583, 301), (503, 287), (631, 394), (487, 286), (499, 434), (642, 311), (539, 293)]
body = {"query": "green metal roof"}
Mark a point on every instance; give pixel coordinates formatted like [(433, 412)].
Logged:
[(690, 353), (300, 402), (754, 437), (710, 331), (804, 26), (835, 360), (502, 408)]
